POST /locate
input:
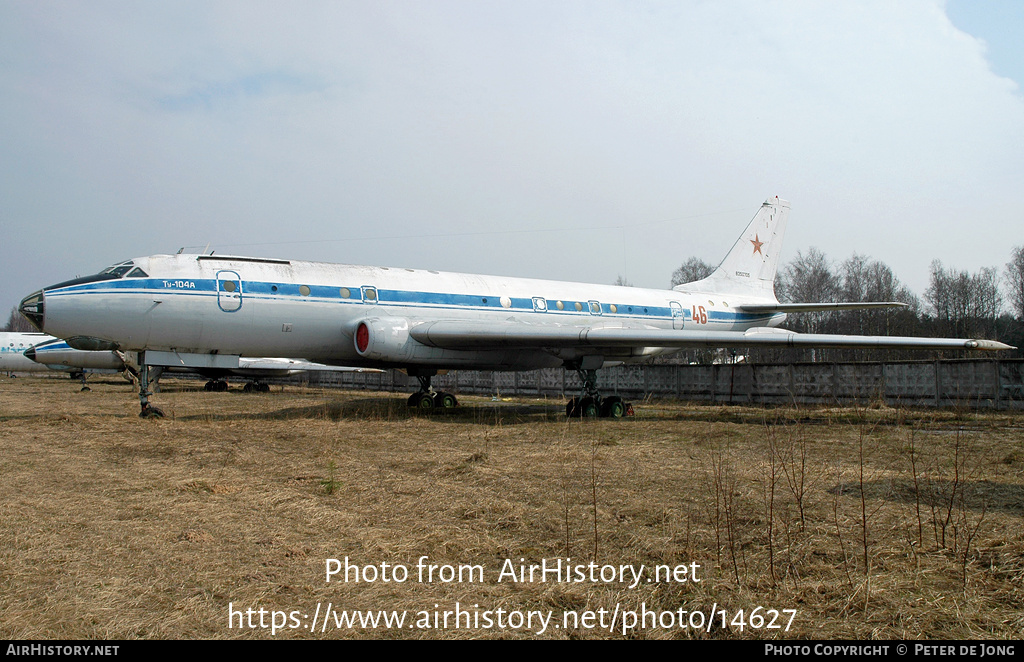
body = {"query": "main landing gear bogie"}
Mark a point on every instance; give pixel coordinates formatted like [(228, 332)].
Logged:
[(428, 401), (591, 407), (590, 404)]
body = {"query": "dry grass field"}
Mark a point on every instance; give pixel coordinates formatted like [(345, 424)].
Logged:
[(870, 523)]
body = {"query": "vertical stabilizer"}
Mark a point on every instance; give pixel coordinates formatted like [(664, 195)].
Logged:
[(749, 268)]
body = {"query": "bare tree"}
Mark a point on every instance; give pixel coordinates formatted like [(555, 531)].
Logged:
[(964, 304), (809, 279), (692, 270), (1015, 279), (864, 280), (17, 322)]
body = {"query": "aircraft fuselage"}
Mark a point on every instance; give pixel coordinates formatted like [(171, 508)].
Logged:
[(262, 307)]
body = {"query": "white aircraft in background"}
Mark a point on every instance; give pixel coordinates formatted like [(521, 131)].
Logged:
[(56, 354), (18, 354), (211, 310), (13, 346)]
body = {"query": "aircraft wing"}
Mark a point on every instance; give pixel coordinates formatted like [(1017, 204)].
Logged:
[(454, 334), (816, 307)]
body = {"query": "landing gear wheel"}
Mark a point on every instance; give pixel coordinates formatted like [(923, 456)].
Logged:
[(85, 388), (585, 407), (414, 399), (149, 411), (613, 407), (426, 402), (445, 401)]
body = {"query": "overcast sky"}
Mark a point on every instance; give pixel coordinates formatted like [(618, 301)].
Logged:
[(567, 140)]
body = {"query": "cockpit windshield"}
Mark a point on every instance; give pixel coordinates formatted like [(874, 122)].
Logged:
[(121, 268)]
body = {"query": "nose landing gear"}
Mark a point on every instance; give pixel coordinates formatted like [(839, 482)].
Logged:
[(148, 410)]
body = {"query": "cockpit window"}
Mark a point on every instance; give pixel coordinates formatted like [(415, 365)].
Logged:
[(119, 269), (137, 273)]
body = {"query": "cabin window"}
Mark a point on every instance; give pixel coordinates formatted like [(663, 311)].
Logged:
[(595, 307), (345, 293), (579, 306), (506, 302), (613, 308), (559, 305), (137, 273), (304, 290), (370, 293), (230, 286)]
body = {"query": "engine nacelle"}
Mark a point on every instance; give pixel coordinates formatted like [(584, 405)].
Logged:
[(387, 339)]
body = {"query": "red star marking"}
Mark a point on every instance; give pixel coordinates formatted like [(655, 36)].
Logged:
[(757, 245)]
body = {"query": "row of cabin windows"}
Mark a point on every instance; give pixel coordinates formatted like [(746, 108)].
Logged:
[(540, 304)]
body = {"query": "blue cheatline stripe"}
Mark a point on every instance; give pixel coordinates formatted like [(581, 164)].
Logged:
[(52, 345), (271, 291)]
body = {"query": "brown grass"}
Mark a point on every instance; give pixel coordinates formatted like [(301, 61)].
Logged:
[(875, 523)]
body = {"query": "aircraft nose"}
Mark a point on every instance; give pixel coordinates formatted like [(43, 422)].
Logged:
[(32, 307)]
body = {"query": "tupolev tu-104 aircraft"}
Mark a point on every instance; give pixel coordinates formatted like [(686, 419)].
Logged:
[(210, 310)]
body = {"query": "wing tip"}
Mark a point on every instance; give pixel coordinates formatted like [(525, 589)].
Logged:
[(988, 345)]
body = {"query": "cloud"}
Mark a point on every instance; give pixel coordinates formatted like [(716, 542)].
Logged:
[(613, 127)]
